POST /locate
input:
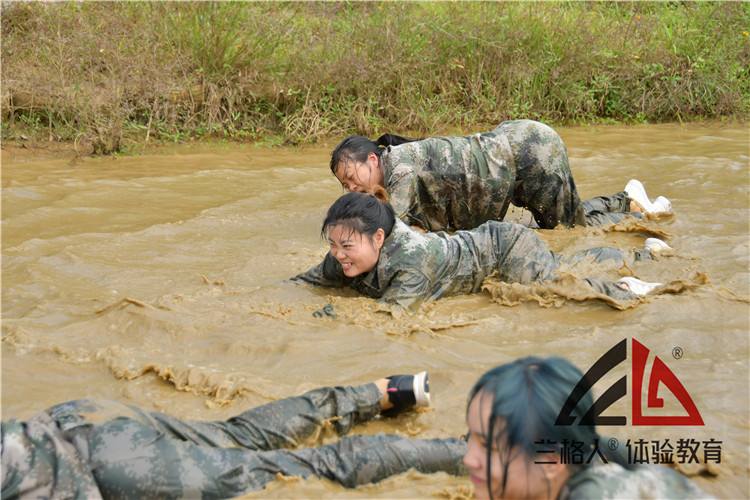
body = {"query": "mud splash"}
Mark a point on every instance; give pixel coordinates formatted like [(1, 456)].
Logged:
[(645, 226), (570, 288)]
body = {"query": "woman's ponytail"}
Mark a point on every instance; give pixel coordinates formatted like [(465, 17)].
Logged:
[(380, 193), (386, 140)]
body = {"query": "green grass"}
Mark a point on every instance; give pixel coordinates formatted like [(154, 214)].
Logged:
[(116, 74)]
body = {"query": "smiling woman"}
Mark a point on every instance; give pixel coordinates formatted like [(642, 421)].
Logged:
[(381, 257), (356, 230)]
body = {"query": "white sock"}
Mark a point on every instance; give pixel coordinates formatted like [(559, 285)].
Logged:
[(662, 205), (638, 287), (655, 245), (636, 192)]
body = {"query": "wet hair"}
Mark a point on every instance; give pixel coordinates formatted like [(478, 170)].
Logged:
[(527, 395), (361, 212), (358, 148)]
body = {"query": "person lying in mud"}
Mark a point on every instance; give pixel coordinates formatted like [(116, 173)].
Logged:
[(379, 256), (453, 183), (515, 449), (94, 449)]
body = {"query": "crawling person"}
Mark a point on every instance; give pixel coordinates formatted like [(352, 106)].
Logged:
[(378, 255), (93, 449), (452, 183)]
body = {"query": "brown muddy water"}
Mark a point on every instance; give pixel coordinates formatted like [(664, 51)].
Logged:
[(160, 280)]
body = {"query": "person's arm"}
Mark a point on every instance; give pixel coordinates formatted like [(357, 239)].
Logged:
[(402, 193), (327, 273), (407, 290)]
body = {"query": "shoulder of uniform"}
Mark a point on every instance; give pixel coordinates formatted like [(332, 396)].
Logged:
[(614, 481), (404, 239)]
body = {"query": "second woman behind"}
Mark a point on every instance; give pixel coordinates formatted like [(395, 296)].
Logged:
[(452, 183)]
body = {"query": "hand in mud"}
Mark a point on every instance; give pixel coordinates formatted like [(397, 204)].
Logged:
[(326, 310)]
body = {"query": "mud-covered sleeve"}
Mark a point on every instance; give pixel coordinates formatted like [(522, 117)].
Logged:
[(407, 290), (327, 273), (402, 192), (646, 481)]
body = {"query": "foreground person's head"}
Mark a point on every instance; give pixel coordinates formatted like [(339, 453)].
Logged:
[(356, 227), (511, 417), (356, 161)]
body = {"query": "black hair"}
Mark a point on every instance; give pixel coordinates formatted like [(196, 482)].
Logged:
[(358, 148), (361, 212), (393, 140), (527, 395)]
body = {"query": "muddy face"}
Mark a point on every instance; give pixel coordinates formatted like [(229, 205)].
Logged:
[(160, 281)]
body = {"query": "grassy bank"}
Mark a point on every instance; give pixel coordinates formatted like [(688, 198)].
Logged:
[(112, 75)]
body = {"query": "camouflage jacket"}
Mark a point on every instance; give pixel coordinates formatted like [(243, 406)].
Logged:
[(614, 481), (450, 183), (39, 462), (414, 267)]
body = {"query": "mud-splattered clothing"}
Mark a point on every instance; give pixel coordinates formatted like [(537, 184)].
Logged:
[(452, 183), (89, 449), (449, 183), (608, 209), (610, 481), (414, 267)]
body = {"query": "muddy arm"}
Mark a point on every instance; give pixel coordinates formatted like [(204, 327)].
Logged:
[(407, 290), (328, 273)]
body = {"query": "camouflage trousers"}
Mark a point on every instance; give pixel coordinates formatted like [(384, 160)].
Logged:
[(608, 209), (132, 453), (521, 256), (544, 183)]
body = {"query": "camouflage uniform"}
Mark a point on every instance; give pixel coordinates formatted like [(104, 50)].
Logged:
[(608, 209), (613, 481), (89, 449), (414, 267), (452, 183)]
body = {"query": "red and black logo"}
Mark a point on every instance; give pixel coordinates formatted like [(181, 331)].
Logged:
[(660, 374)]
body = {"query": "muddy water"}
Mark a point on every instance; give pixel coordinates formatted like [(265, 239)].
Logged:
[(160, 280)]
